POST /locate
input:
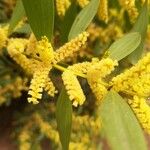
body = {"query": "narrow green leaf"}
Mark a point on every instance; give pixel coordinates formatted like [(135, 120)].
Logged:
[(120, 125), (64, 118), (83, 19), (18, 14), (40, 14), (124, 46), (141, 27), (67, 21)]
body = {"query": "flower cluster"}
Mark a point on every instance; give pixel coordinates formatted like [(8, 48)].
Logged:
[(42, 61), (103, 10), (95, 72)]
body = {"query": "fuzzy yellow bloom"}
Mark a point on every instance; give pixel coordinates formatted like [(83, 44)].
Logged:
[(103, 10), (37, 84), (134, 78), (142, 111), (129, 5), (83, 3), (80, 68), (62, 6), (71, 47), (3, 36), (73, 88), (142, 85), (96, 74), (15, 49), (40, 60)]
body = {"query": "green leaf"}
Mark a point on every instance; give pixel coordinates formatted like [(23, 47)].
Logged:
[(64, 118), (83, 19), (141, 27), (67, 21), (17, 15), (124, 46), (40, 14), (120, 125)]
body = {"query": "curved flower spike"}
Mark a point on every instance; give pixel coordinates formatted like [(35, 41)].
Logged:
[(73, 88)]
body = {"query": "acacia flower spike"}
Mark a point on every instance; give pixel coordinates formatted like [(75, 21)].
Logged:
[(135, 80), (142, 111)]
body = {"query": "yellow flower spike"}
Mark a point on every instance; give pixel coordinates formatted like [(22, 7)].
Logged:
[(142, 111), (83, 3), (3, 36), (127, 80), (98, 88), (103, 10), (73, 88), (95, 75), (71, 47), (15, 49), (62, 6), (142, 85), (50, 88), (37, 84), (80, 68)]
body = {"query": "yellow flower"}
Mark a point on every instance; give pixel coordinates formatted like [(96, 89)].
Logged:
[(103, 10), (37, 84), (15, 49), (82, 3), (62, 6), (142, 111), (71, 47), (96, 74), (136, 77), (73, 88)]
